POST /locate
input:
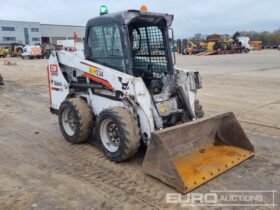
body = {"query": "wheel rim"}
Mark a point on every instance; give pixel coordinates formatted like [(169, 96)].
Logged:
[(68, 121), (110, 135)]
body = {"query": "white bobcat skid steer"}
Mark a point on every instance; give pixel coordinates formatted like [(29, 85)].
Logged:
[(124, 86)]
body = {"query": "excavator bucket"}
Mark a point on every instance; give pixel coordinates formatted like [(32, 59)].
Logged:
[(187, 155)]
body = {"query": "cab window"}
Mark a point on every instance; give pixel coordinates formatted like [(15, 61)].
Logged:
[(105, 45)]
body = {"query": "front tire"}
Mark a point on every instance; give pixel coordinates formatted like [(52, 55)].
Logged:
[(75, 120), (118, 133)]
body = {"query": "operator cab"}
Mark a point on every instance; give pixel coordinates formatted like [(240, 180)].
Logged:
[(149, 49), (132, 42)]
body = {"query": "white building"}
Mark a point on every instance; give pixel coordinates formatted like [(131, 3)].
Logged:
[(31, 33), (27, 33), (52, 33)]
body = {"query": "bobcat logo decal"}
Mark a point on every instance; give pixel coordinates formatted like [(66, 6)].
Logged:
[(124, 83)]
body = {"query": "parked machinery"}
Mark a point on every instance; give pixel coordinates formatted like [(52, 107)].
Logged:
[(15, 49), (179, 46), (2, 55)]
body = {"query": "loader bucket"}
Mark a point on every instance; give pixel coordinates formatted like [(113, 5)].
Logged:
[(187, 155)]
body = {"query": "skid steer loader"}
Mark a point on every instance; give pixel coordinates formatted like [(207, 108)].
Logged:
[(126, 89)]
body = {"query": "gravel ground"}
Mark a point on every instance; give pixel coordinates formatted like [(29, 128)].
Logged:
[(40, 170)]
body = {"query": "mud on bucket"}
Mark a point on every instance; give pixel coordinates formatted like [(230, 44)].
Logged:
[(187, 155)]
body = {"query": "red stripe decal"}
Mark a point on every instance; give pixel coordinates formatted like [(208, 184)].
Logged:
[(54, 88), (91, 65), (99, 80), (50, 95)]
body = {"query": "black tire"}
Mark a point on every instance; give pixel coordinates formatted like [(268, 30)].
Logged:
[(198, 109), (82, 120), (127, 133), (1, 80)]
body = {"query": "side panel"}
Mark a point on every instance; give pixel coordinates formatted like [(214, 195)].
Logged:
[(119, 81), (99, 103), (186, 81), (144, 100), (58, 86)]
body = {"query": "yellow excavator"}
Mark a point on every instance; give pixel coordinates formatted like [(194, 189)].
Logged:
[(189, 47), (15, 49), (1, 53)]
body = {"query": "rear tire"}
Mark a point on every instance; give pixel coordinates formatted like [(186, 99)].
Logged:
[(75, 120), (118, 133), (1, 80)]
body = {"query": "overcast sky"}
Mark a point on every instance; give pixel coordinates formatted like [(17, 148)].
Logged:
[(191, 16)]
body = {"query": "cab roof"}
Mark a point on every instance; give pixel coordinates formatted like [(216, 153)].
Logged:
[(129, 16)]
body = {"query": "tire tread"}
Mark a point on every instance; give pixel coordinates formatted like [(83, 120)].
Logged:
[(131, 130)]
